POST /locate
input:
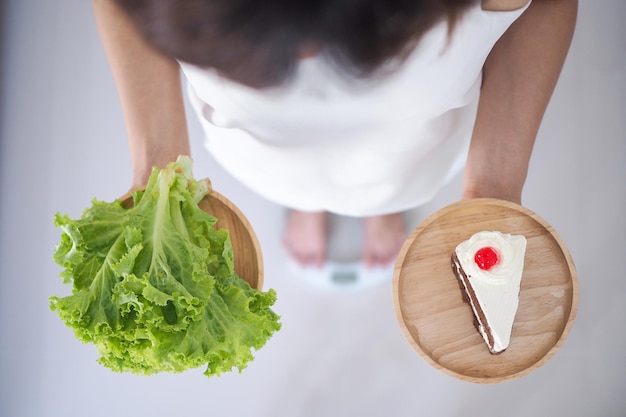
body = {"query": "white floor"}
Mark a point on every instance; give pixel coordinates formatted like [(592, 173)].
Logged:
[(63, 143)]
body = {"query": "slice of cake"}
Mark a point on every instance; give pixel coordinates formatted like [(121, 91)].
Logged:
[(489, 268)]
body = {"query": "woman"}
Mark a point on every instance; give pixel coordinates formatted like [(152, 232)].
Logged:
[(363, 108)]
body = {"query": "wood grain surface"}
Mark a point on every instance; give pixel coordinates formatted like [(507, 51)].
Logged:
[(246, 247), (438, 324)]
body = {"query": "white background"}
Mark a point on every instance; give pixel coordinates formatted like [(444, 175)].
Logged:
[(63, 143)]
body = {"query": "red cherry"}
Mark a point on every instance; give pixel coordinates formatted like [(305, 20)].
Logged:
[(486, 258)]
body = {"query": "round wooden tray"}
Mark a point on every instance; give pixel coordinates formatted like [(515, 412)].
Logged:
[(438, 324), (246, 248)]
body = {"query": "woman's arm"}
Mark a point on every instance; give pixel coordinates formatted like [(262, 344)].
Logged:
[(150, 91), (518, 80)]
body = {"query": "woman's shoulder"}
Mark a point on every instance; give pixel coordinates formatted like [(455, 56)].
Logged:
[(503, 5)]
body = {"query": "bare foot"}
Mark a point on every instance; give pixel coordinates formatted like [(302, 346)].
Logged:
[(305, 237), (383, 237)]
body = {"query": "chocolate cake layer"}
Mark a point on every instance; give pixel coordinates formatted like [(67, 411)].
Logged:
[(469, 296)]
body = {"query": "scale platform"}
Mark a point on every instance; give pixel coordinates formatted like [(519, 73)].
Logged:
[(344, 271)]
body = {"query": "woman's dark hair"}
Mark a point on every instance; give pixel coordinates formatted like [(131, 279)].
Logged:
[(259, 42)]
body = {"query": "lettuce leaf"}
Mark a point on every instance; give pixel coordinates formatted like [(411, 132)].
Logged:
[(154, 286)]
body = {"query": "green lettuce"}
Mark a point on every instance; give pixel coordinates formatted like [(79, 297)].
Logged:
[(154, 286)]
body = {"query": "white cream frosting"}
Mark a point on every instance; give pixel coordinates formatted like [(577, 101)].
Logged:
[(496, 289)]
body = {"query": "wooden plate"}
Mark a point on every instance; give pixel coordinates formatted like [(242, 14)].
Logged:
[(246, 247), (438, 324)]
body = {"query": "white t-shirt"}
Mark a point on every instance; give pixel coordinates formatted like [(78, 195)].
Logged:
[(354, 147)]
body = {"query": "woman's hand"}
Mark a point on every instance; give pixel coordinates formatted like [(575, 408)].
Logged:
[(499, 191), (519, 77), (149, 86)]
